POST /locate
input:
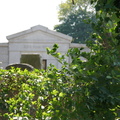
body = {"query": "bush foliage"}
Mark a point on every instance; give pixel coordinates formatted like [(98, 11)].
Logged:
[(79, 91)]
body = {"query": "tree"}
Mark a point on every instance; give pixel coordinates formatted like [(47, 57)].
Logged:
[(73, 17), (66, 8), (74, 25)]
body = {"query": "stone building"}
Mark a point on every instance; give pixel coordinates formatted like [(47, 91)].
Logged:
[(31, 45)]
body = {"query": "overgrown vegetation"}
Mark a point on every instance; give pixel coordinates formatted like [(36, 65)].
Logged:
[(78, 91)]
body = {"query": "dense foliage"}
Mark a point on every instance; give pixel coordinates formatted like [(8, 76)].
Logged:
[(75, 25), (65, 8), (74, 20)]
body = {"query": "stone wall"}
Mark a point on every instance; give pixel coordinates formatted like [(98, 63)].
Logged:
[(4, 54), (34, 41)]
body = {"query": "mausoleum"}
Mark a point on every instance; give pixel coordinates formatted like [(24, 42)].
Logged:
[(29, 46)]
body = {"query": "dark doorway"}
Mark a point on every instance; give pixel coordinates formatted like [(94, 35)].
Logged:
[(44, 64), (32, 59)]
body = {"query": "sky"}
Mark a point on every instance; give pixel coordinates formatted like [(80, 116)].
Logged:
[(20, 15)]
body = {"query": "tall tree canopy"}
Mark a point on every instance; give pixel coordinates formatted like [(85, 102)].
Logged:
[(74, 25), (67, 7), (73, 17)]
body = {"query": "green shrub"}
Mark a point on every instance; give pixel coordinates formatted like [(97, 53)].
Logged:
[(78, 91)]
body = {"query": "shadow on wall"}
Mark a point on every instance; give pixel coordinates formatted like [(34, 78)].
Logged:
[(0, 65)]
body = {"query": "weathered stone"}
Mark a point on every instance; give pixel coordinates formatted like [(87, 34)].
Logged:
[(22, 66), (35, 41)]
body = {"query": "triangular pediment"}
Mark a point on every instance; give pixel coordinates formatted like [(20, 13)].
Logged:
[(39, 34)]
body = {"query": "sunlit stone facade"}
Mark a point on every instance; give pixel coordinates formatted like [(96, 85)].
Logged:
[(34, 42)]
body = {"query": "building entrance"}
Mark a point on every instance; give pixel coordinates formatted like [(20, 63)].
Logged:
[(32, 59)]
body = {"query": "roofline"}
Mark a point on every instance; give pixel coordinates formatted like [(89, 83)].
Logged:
[(77, 45), (4, 44), (39, 28)]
